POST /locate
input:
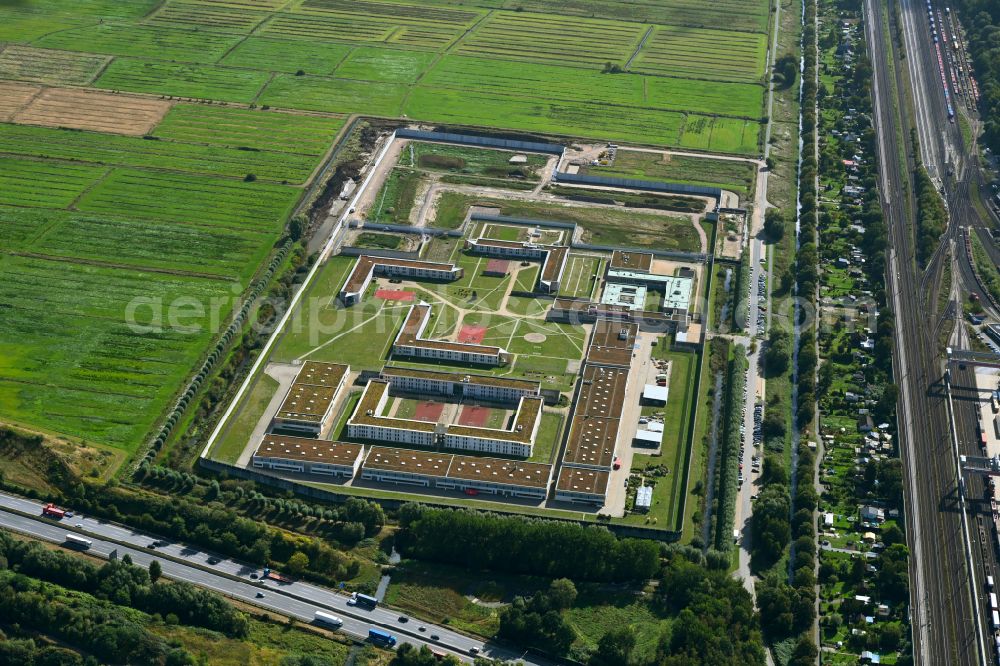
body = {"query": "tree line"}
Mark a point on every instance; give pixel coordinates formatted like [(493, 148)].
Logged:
[(110, 633), (981, 19), (478, 541), (124, 584)]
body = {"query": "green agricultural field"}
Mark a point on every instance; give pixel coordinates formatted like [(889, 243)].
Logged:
[(713, 54), (168, 78), (370, 63), (334, 95), (519, 66), (72, 363), (25, 63), (727, 174), (26, 182), (129, 151), (162, 244), (255, 130), (547, 82), (286, 55), (553, 39), (24, 21)]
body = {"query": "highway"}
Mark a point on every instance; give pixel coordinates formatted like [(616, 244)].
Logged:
[(941, 598), (233, 579)]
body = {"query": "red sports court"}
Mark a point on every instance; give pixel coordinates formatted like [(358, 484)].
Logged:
[(472, 334), (428, 411), (474, 416), (496, 268), (394, 295)]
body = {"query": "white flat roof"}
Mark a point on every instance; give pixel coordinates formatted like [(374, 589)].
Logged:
[(654, 392), (649, 436)]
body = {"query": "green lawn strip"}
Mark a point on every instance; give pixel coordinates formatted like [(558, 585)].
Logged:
[(527, 278), (241, 426), (547, 439)]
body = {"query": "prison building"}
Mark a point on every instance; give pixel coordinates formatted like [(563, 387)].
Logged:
[(623, 260), (403, 466), (460, 386), (367, 267), (584, 486), (611, 343), (507, 478), (596, 417), (553, 257), (411, 342), (368, 423), (473, 475), (308, 406), (308, 456), (519, 440)]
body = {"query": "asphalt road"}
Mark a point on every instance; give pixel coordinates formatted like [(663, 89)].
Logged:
[(297, 599)]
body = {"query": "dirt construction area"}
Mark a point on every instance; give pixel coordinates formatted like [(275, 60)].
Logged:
[(91, 110)]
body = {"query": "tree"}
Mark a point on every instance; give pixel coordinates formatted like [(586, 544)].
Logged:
[(777, 355), (805, 652), (297, 227), (562, 593), (155, 571), (298, 563), (615, 648), (774, 225)]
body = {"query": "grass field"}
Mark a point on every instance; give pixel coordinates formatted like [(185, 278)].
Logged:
[(726, 174), (394, 202), (579, 278), (241, 426), (471, 161), (604, 226), (120, 230)]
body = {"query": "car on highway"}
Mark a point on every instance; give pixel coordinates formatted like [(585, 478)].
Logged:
[(403, 619), (214, 560), (473, 651), (435, 637), (260, 595)]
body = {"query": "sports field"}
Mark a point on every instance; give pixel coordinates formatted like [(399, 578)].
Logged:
[(532, 66)]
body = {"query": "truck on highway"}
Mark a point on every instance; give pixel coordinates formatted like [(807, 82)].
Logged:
[(52, 511), (322, 617), (381, 638), (275, 576), (78, 541), (363, 600)]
